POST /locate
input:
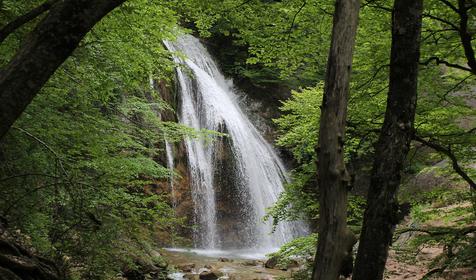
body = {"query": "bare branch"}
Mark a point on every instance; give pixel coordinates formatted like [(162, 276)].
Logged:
[(463, 133), (450, 5), (60, 162), (373, 77), (296, 14), (453, 26), (439, 61), (373, 4), (449, 153), (292, 24), (27, 175), (455, 87)]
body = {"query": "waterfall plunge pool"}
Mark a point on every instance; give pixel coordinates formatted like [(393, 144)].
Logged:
[(243, 264), (243, 254)]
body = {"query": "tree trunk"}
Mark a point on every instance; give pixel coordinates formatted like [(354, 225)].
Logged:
[(335, 238), (381, 215), (44, 50)]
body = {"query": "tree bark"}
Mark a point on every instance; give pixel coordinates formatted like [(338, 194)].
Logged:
[(51, 42), (381, 215), (335, 238)]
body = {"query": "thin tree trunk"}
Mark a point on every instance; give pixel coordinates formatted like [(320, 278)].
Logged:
[(44, 50), (335, 238), (466, 35), (381, 215)]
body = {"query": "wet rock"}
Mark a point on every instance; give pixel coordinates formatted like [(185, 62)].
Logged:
[(271, 262), (186, 267), (210, 275), (19, 261), (251, 263), (267, 277), (191, 276), (224, 260), (295, 270), (292, 264)]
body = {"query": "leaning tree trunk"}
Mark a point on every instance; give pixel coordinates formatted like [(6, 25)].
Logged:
[(335, 238), (43, 51), (381, 215)]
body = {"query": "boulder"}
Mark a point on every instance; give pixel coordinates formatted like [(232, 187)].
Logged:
[(20, 262), (186, 267), (292, 264), (271, 262), (210, 275), (251, 263), (191, 276)]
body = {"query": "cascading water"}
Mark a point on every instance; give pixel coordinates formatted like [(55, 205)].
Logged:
[(170, 166), (207, 101)]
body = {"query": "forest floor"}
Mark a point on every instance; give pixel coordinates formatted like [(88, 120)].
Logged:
[(400, 270), (416, 265), (404, 262)]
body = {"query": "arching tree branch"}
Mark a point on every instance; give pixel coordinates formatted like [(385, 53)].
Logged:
[(25, 18), (51, 42)]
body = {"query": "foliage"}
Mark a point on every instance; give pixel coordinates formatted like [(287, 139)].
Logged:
[(301, 249), (277, 34), (79, 169)]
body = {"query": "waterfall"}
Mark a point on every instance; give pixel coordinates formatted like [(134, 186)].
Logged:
[(170, 165), (255, 174)]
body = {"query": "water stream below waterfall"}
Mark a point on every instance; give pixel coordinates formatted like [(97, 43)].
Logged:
[(241, 171)]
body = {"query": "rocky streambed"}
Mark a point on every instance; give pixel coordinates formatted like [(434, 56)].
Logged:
[(194, 266)]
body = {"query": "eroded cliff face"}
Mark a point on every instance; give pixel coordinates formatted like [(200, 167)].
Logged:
[(181, 197)]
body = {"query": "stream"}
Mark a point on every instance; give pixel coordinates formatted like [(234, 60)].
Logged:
[(216, 264)]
